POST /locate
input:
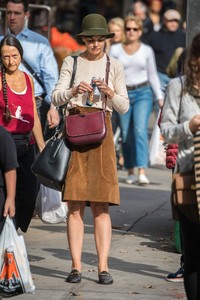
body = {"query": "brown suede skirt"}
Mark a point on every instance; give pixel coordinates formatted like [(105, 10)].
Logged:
[(92, 172)]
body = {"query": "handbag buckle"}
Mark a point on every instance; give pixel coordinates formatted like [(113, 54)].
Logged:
[(193, 187)]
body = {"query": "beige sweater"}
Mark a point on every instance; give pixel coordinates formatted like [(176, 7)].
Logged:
[(85, 71)]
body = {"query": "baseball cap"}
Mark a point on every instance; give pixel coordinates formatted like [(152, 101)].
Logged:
[(172, 14)]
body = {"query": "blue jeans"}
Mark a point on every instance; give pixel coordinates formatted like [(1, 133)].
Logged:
[(164, 80), (134, 125)]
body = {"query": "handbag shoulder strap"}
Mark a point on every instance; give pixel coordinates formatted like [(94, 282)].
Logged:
[(75, 57), (74, 70), (107, 68), (181, 97), (106, 78), (34, 74)]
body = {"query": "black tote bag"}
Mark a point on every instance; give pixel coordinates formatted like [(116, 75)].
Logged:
[(50, 166)]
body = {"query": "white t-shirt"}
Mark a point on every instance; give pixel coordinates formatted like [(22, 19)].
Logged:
[(139, 67)]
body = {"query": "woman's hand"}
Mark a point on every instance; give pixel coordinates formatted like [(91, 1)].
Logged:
[(104, 88), (194, 124), (160, 103), (83, 87), (9, 207), (53, 117)]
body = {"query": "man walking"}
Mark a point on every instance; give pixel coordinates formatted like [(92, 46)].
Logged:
[(165, 42)]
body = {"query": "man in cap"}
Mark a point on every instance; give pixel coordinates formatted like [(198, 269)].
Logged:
[(166, 41)]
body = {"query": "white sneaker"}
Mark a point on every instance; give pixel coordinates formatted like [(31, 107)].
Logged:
[(130, 179), (143, 179)]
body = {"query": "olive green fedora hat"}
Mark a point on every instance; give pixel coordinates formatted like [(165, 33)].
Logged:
[(94, 24)]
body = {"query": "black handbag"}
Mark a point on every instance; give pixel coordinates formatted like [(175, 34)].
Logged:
[(50, 166)]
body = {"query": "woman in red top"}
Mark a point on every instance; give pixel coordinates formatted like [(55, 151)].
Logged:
[(18, 114)]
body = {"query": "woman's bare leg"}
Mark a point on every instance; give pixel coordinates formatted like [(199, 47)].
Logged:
[(102, 233), (75, 231)]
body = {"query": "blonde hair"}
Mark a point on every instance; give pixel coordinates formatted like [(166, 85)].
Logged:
[(119, 22), (116, 21), (136, 19)]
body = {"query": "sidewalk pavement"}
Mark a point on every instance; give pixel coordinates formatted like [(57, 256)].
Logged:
[(142, 251)]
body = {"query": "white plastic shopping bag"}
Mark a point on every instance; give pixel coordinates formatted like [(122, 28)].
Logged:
[(157, 152), (49, 207), (15, 276)]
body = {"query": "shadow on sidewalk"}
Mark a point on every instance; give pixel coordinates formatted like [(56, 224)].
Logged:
[(90, 259)]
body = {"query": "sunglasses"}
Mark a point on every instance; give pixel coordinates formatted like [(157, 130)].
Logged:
[(132, 28)]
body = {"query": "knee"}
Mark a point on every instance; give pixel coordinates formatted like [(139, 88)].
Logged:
[(99, 209), (140, 130), (75, 208)]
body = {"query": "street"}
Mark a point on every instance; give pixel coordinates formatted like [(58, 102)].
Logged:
[(142, 251)]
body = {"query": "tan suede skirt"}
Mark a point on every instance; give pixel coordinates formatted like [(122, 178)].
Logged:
[(92, 172)]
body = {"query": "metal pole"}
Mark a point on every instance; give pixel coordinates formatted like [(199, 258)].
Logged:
[(49, 15), (193, 20), (36, 6)]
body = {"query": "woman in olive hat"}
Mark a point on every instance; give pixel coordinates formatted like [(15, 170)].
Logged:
[(92, 178)]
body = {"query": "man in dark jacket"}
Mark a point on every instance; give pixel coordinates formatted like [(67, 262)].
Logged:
[(166, 41)]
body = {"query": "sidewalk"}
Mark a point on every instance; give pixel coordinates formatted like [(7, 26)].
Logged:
[(142, 251)]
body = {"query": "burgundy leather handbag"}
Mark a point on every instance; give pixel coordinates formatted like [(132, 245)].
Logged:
[(87, 128), (84, 129)]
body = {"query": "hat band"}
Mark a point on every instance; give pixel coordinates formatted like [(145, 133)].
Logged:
[(95, 28)]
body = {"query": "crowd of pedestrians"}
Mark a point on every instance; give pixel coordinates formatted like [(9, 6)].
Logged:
[(139, 51), (146, 55)]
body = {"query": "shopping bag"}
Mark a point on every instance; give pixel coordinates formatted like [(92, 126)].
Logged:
[(15, 274), (49, 207), (157, 152)]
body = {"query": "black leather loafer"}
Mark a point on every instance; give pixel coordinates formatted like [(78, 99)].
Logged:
[(105, 278), (74, 276)]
